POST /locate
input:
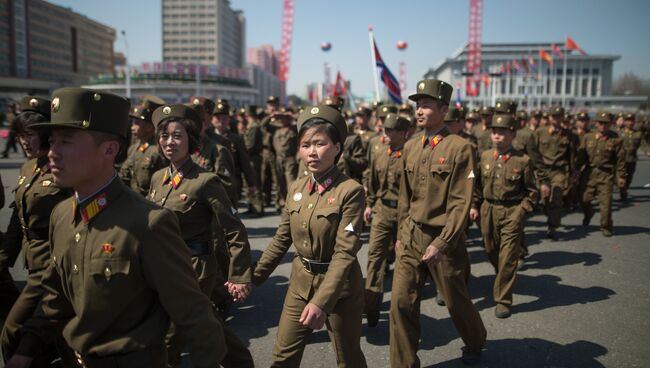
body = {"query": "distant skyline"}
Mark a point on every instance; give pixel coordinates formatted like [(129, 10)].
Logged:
[(433, 30)]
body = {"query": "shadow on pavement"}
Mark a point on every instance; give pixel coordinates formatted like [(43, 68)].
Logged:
[(552, 259), (533, 352)]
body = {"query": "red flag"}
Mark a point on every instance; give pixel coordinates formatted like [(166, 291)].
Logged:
[(486, 80), (524, 64), (339, 88), (572, 45), (545, 56), (556, 51)]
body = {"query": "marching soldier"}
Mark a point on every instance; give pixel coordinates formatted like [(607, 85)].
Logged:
[(631, 143), (119, 269), (471, 119), (322, 219), (433, 207), (509, 192), (253, 140), (285, 145), (557, 152), (383, 192), (406, 110), (601, 158), (143, 158), (268, 178), (376, 142), (482, 130)]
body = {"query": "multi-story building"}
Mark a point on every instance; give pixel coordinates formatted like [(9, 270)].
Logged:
[(515, 71), (45, 46), (264, 65), (203, 32)]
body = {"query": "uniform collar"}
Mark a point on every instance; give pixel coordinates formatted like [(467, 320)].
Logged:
[(433, 139), (144, 145), (505, 156), (42, 166), (324, 182), (90, 207), (176, 178), (397, 151)]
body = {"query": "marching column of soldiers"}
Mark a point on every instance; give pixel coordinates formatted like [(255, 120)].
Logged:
[(127, 218)]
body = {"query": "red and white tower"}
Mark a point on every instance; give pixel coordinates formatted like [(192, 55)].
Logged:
[(473, 66), (285, 49)]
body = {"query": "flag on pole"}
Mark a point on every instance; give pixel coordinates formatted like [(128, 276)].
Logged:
[(556, 51), (392, 85), (339, 88), (515, 65), (459, 104), (524, 64), (545, 56), (572, 45)]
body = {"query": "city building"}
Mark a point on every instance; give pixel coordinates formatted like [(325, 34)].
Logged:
[(516, 71), (45, 46), (264, 65), (203, 32), (265, 57)]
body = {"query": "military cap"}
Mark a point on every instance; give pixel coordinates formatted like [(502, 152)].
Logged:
[(329, 114), (406, 107), (536, 114), (36, 104), (362, 110), (283, 111), (394, 121), (145, 109), (629, 116), (544, 114), (207, 103), (473, 116), (177, 111), (250, 110), (505, 107), (557, 110), (90, 110), (222, 107), (273, 100), (583, 116), (522, 115), (335, 102), (433, 88), (620, 114), (152, 99), (453, 114), (384, 110), (504, 121), (487, 110), (376, 104), (462, 112), (198, 108), (603, 117)]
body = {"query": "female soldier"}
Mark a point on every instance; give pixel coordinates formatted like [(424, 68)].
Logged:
[(36, 196), (198, 199), (323, 218)]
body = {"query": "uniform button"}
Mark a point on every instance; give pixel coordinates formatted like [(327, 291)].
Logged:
[(54, 259), (422, 177), (499, 166), (304, 242), (424, 160), (107, 272), (27, 185), (498, 176), (77, 237), (311, 205), (75, 269), (304, 224)]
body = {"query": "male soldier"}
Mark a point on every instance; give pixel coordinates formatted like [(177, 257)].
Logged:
[(120, 269), (143, 157), (481, 131), (535, 119), (631, 143), (509, 192), (268, 125), (453, 122), (285, 145), (383, 191), (582, 125), (376, 142), (579, 130), (406, 110), (470, 121), (215, 153), (544, 119), (433, 207), (557, 150), (242, 161), (253, 140), (361, 118), (601, 158)]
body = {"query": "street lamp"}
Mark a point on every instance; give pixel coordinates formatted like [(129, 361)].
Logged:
[(128, 69)]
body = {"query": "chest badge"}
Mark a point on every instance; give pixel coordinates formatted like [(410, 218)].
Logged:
[(297, 197), (487, 167), (107, 248), (441, 160), (330, 200), (183, 197), (46, 183), (21, 180)]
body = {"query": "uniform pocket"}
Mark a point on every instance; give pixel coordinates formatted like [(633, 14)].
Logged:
[(440, 170), (293, 206), (326, 212), (109, 269)]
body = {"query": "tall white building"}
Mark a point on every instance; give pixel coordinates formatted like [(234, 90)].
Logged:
[(506, 72), (203, 32)]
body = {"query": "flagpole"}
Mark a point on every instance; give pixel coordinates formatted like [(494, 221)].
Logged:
[(541, 80), (564, 74), (374, 62)]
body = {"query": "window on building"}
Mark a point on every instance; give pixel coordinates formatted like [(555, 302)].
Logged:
[(585, 71), (567, 87), (595, 71), (558, 86), (594, 87), (585, 86)]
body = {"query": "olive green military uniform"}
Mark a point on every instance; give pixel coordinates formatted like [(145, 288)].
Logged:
[(268, 177), (323, 220), (36, 196), (353, 160), (602, 159), (433, 207), (631, 143), (120, 269), (376, 142), (285, 145), (482, 131), (509, 192), (253, 141), (8, 291), (383, 192), (557, 153), (143, 158)]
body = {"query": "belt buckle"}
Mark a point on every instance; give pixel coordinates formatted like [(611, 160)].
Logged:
[(79, 359), (306, 265)]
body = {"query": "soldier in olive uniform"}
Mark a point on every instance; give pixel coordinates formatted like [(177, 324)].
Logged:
[(381, 211), (143, 158), (285, 146), (482, 130), (376, 142), (36, 196), (631, 143), (268, 178), (323, 219), (406, 110), (557, 152), (601, 159), (433, 207), (198, 198), (509, 192), (119, 270), (471, 119), (253, 140)]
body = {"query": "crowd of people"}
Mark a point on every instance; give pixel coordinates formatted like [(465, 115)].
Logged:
[(127, 218)]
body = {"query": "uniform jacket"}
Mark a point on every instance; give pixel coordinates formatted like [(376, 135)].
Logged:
[(142, 161), (602, 151), (215, 156), (631, 143), (385, 175), (557, 149)]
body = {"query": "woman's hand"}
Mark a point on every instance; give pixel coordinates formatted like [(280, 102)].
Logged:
[(312, 317), (239, 292)]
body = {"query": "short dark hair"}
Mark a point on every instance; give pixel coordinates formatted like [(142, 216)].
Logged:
[(324, 126), (25, 119), (193, 132), (101, 137)]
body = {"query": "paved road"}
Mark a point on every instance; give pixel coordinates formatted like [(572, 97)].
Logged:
[(582, 301)]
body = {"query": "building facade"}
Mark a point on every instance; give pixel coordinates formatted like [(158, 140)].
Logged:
[(44, 42), (264, 66), (203, 32), (516, 71)]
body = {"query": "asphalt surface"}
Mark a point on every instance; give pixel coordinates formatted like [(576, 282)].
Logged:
[(581, 301)]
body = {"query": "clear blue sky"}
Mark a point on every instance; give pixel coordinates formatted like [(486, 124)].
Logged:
[(433, 29)]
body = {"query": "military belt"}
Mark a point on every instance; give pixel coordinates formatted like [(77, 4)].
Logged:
[(389, 203), (506, 203), (314, 267), (199, 248)]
